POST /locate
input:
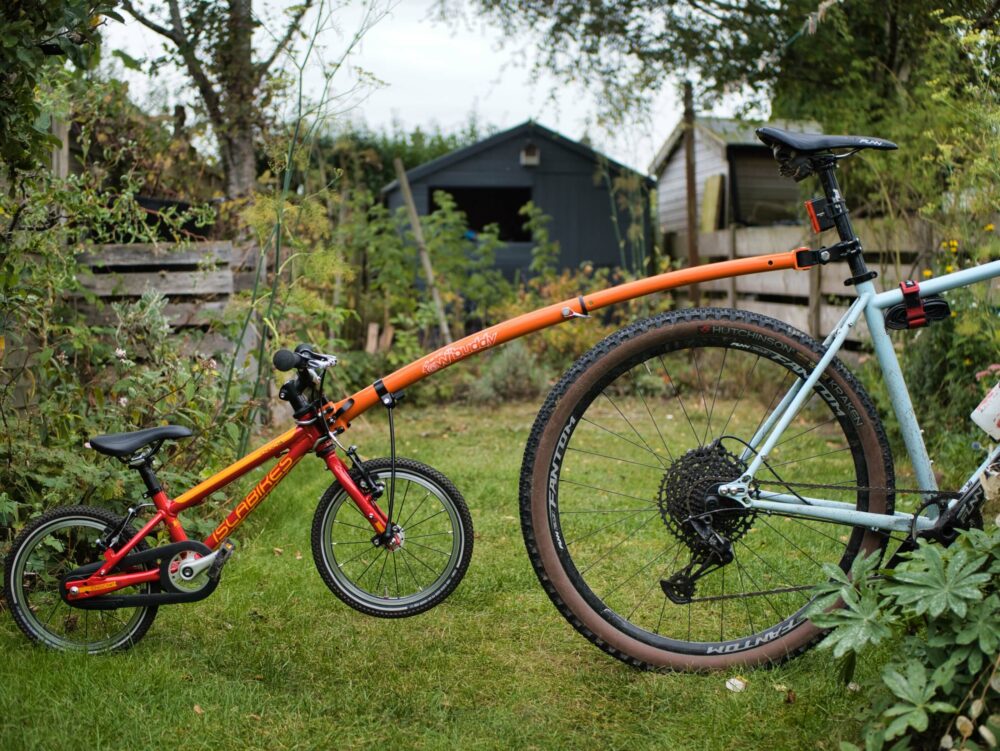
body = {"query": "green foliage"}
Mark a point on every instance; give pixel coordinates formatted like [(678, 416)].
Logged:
[(363, 158), (511, 374), (63, 381), (32, 34), (545, 254), (948, 122), (811, 58), (941, 611)]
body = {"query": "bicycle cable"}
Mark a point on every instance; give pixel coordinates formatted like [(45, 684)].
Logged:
[(392, 471)]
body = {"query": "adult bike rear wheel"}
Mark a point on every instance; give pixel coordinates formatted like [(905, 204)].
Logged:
[(620, 502), (48, 548), (435, 549)]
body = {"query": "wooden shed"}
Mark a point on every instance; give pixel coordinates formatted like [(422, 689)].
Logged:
[(736, 178), (571, 182)]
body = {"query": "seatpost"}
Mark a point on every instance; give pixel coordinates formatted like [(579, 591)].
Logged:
[(837, 207)]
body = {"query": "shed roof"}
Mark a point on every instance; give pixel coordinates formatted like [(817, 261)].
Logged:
[(726, 131), (530, 129)]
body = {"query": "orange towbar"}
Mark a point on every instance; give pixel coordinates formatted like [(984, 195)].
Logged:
[(554, 314)]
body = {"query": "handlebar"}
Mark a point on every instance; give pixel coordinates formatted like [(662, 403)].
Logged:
[(303, 358)]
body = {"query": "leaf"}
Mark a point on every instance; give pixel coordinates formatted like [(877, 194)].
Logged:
[(860, 623), (128, 61), (937, 586)]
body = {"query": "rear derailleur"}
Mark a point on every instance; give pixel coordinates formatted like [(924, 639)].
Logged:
[(714, 553)]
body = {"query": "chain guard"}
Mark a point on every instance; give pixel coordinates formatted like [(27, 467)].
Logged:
[(169, 594)]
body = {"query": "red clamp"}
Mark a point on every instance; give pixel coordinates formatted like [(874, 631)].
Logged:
[(916, 316)]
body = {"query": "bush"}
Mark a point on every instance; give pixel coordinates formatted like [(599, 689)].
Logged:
[(940, 609), (512, 373)]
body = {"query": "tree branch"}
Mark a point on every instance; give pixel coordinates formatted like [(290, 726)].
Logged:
[(187, 53), (150, 23), (282, 44)]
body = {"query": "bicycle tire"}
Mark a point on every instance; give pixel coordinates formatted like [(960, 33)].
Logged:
[(592, 572), (357, 579), (31, 582)]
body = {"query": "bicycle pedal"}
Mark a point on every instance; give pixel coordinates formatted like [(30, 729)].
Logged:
[(225, 551)]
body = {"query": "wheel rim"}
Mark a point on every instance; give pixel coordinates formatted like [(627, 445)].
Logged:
[(611, 525), (390, 580), (47, 556)]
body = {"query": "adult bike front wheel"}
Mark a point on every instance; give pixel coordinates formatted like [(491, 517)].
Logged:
[(621, 506), (435, 543), (48, 548)]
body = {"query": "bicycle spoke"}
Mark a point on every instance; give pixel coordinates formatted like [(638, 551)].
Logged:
[(677, 396), (419, 506), (617, 435), (578, 540), (620, 543), (634, 430), (445, 553), (701, 389), (649, 412), (428, 518), (616, 458), (739, 399)]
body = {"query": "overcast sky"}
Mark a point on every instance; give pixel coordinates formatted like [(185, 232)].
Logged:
[(442, 74)]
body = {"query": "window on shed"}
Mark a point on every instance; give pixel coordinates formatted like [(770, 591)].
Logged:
[(485, 206)]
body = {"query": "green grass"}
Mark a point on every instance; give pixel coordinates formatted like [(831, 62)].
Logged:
[(274, 661)]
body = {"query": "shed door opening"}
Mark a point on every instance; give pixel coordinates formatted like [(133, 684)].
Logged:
[(484, 206)]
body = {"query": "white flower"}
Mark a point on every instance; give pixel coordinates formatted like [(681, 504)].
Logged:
[(120, 353), (123, 401)]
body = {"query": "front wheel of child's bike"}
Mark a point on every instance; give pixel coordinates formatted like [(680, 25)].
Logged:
[(623, 502), (416, 572), (50, 547)]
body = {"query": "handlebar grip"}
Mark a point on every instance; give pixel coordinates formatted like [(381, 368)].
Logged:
[(285, 360)]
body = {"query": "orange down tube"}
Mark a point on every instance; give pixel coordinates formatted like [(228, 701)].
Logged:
[(558, 313)]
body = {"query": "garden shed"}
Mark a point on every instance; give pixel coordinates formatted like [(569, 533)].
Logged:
[(736, 178), (572, 183)]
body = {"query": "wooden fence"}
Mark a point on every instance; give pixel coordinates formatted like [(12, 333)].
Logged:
[(198, 279), (813, 300)]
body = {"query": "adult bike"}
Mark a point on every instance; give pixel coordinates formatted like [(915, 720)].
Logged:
[(682, 487)]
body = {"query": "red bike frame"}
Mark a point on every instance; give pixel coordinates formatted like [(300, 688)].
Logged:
[(288, 448), (291, 446)]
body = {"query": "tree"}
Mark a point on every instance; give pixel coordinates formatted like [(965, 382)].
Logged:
[(213, 43), (809, 54), (32, 34)]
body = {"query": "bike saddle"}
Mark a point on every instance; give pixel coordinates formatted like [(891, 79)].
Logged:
[(125, 444), (810, 143)]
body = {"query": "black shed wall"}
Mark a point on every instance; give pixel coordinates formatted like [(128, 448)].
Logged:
[(564, 185)]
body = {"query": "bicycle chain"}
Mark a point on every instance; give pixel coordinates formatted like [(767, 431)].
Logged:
[(822, 486)]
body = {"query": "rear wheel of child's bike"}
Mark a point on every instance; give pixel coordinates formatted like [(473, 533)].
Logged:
[(50, 547), (411, 574)]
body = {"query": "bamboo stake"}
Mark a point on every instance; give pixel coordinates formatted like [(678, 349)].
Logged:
[(425, 258)]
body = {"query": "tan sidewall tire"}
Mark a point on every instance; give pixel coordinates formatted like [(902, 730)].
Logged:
[(565, 595)]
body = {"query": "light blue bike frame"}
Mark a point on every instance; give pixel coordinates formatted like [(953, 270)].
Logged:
[(869, 303)]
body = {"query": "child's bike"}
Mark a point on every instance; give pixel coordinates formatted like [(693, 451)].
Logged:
[(683, 485)]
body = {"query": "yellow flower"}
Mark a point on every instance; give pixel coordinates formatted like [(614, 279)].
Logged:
[(949, 268), (928, 273), (989, 227), (968, 361), (953, 244), (954, 314)]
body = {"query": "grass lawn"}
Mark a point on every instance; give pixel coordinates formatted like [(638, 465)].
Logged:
[(273, 660)]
